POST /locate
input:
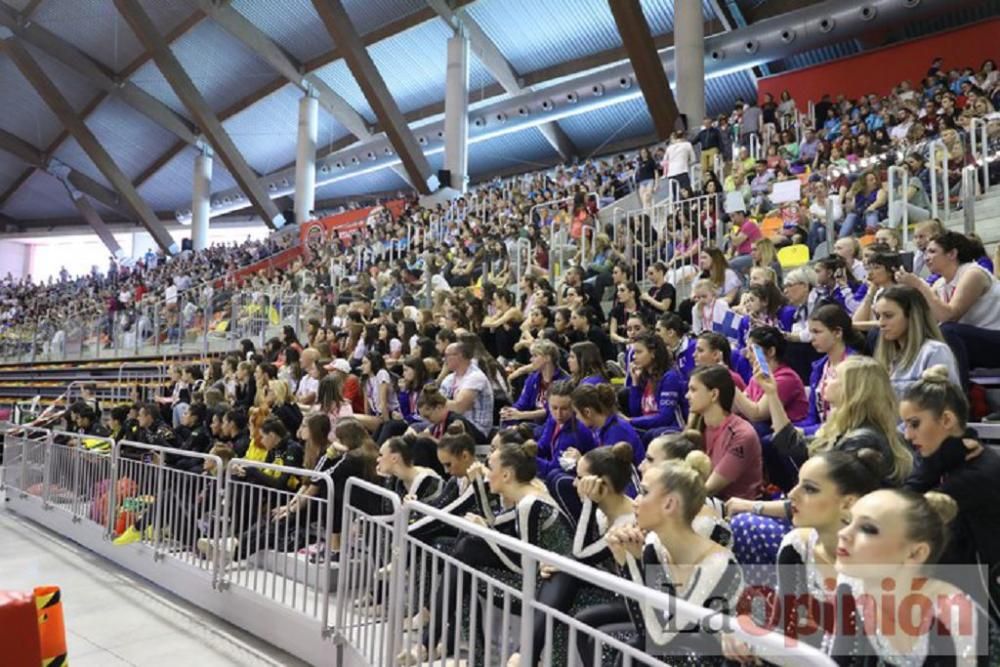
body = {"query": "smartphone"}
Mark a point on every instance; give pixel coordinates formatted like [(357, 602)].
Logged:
[(761, 359)]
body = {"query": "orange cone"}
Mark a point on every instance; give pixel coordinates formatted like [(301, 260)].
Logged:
[(51, 626)]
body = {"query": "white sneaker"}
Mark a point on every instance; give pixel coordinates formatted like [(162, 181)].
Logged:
[(206, 547)]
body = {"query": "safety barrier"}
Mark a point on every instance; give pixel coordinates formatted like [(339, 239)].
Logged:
[(450, 596), (937, 163), (979, 145), (76, 468), (264, 528), (365, 568), (386, 578), (672, 232), (166, 505)]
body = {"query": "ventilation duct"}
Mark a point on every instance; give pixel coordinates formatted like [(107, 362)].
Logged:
[(771, 39)]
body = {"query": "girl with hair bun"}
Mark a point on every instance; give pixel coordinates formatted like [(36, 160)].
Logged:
[(679, 447), (409, 480), (663, 551), (597, 407), (530, 514), (893, 538), (829, 485), (935, 419)]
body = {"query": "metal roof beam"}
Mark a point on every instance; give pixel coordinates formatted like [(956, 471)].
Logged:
[(182, 28), (359, 61), (93, 218), (638, 40), (61, 107), (257, 41), (373, 37), (499, 67), (18, 147), (56, 47), (195, 103)]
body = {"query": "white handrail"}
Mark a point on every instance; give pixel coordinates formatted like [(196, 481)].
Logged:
[(938, 156), (981, 142), (899, 210), (533, 557)]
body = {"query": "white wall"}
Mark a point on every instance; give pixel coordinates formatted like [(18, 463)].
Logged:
[(15, 259)]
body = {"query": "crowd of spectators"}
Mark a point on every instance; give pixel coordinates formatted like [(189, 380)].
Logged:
[(819, 421)]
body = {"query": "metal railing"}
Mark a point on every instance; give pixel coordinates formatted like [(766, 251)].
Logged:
[(77, 468), (168, 505), (898, 187), (979, 145), (937, 163), (429, 583), (388, 582), (672, 227), (367, 557), (263, 529)]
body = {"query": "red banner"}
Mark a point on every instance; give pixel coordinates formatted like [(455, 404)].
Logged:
[(277, 261), (345, 224)]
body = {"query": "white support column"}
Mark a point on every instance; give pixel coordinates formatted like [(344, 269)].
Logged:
[(689, 54), (201, 199), (305, 158), (456, 112)]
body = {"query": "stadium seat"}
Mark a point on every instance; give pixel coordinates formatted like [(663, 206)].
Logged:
[(794, 255)]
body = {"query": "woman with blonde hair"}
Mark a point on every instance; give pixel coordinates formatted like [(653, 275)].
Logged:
[(279, 396), (663, 549), (765, 255), (910, 340), (862, 416)]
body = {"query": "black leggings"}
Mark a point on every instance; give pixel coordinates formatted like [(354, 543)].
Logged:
[(476, 553), (606, 617)]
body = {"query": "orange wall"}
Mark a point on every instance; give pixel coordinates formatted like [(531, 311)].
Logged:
[(879, 70)]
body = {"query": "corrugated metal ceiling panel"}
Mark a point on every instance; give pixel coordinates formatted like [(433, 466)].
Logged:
[(590, 131), (721, 91), (534, 34), (149, 78), (133, 140), (539, 33), (107, 38), (41, 196), (73, 87), (24, 113), (525, 150), (266, 133), (228, 73), (337, 76), (986, 9), (293, 24), (367, 15), (414, 62), (816, 56), (11, 169)]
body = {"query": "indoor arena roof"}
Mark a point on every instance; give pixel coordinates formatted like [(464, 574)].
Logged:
[(92, 55)]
